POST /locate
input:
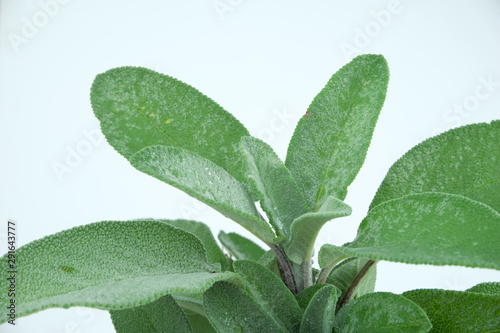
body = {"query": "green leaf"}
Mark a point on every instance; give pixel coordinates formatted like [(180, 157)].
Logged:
[(138, 107), (271, 293), (240, 247), (204, 234), (279, 194), (161, 316), (384, 312), (489, 288), (200, 324), (430, 228), (330, 254), (464, 161), (344, 274), (304, 297), (109, 265), (231, 309), (204, 180), (319, 314), (305, 228), (458, 311), (330, 142)]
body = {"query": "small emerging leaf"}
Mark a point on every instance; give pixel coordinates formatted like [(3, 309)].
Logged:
[(231, 309), (320, 312), (240, 247), (330, 142), (458, 311), (204, 180), (330, 255), (384, 312), (160, 316)]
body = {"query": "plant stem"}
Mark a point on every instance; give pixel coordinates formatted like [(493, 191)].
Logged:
[(355, 283), (323, 274), (285, 268), (307, 273)]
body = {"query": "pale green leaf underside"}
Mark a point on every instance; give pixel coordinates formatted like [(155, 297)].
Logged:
[(240, 247), (138, 107), (204, 234), (458, 311), (330, 255), (320, 312), (491, 288), (271, 293), (278, 192), (385, 312), (231, 309), (110, 265), (464, 161), (330, 142), (430, 228), (160, 316), (205, 181), (305, 228)]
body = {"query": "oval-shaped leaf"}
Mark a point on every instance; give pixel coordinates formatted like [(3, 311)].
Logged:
[(458, 311), (464, 161), (231, 309), (384, 312), (278, 192), (109, 265), (160, 316), (320, 312), (430, 228), (240, 247), (330, 142), (138, 107), (204, 180), (271, 293), (305, 228)]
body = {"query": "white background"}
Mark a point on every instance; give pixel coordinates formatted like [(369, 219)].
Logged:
[(264, 61)]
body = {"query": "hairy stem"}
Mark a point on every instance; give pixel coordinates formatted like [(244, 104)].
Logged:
[(285, 267), (307, 273), (355, 283)]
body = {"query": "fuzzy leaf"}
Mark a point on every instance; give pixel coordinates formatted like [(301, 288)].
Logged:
[(278, 192), (304, 297), (231, 309), (430, 228), (464, 161), (205, 181), (330, 142), (240, 247), (320, 312), (458, 311), (343, 275), (271, 293), (384, 312), (490, 288), (160, 316), (204, 234), (109, 265), (138, 107), (305, 228), (329, 255)]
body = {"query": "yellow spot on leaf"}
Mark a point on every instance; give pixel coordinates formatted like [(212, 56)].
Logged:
[(168, 121), (143, 107), (153, 114)]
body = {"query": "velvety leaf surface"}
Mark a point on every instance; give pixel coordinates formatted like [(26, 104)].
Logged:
[(240, 247), (343, 275), (109, 265), (271, 293), (319, 314), (490, 288), (204, 180), (330, 254), (231, 309), (304, 297), (458, 311), (305, 228), (160, 316), (278, 192), (464, 161), (204, 234), (385, 312), (138, 107), (330, 142), (430, 228)]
